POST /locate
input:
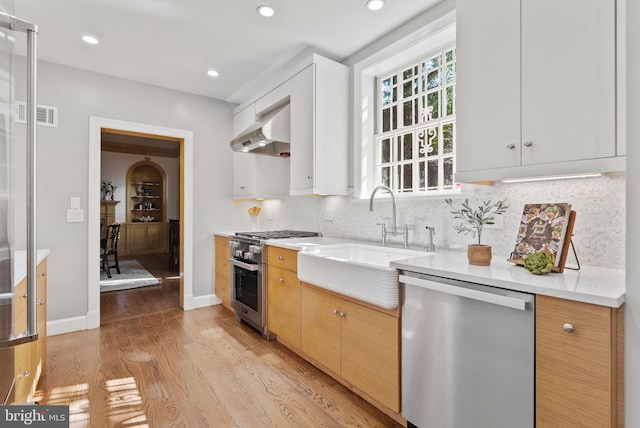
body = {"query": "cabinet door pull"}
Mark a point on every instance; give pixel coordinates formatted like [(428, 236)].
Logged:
[(568, 327), (280, 257), (41, 302), (335, 311), (528, 143), (343, 314), (281, 279), (511, 146), (43, 274)]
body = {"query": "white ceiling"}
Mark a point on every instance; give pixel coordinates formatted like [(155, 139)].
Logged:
[(171, 43)]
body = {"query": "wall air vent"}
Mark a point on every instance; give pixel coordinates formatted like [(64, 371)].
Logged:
[(45, 115)]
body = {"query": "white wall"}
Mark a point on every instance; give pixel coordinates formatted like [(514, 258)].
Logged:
[(632, 312), (63, 169), (114, 168)]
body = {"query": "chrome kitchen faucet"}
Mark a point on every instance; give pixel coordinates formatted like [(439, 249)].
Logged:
[(394, 231)]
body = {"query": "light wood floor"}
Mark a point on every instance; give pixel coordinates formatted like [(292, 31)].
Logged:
[(153, 365)]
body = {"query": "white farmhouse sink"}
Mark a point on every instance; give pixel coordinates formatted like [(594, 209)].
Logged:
[(360, 271)]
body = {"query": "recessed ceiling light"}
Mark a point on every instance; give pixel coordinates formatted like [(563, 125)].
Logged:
[(90, 40), (212, 73), (375, 4), (266, 10)]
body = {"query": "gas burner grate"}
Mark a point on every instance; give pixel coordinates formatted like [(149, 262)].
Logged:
[(277, 234)]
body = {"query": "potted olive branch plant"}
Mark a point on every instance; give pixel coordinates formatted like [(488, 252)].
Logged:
[(472, 221)]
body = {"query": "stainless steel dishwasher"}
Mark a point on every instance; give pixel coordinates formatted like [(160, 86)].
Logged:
[(467, 354)]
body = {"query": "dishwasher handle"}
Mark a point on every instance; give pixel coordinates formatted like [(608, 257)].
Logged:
[(495, 299)]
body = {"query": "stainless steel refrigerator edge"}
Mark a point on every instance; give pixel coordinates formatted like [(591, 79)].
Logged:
[(467, 354), (11, 207)]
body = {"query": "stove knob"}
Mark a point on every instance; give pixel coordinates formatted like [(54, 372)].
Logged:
[(248, 255), (239, 253), (233, 244), (255, 249)]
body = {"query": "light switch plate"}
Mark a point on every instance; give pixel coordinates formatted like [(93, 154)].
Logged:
[(75, 216)]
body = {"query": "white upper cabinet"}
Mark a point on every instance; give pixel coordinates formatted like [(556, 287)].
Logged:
[(258, 176), (255, 176), (536, 91), (318, 92), (244, 119)]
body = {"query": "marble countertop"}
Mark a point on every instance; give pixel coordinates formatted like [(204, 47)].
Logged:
[(597, 285), (591, 284)]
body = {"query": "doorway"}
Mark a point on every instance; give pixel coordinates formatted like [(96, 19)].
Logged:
[(141, 193), (96, 126)]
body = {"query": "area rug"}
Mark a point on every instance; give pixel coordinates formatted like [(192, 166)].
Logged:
[(132, 275)]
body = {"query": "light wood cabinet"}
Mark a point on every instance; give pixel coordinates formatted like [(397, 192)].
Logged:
[(107, 215), (579, 363), (146, 199), (223, 270), (535, 88), (146, 238), (283, 291), (354, 341), (30, 358)]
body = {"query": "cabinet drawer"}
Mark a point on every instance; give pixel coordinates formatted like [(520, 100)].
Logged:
[(283, 258)]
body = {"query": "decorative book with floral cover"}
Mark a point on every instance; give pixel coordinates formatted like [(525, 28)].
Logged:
[(543, 227)]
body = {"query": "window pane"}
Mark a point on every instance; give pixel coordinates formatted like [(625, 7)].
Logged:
[(422, 176), (386, 119), (432, 177), (407, 89), (408, 73), (448, 173), (394, 94), (431, 63), (394, 117), (385, 176), (449, 55), (385, 150), (450, 73), (447, 136), (407, 143), (386, 91), (428, 141), (407, 177), (450, 100), (407, 109), (433, 104), (433, 79)]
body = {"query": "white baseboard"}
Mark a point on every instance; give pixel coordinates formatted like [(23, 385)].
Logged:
[(92, 319), (204, 301), (66, 325)]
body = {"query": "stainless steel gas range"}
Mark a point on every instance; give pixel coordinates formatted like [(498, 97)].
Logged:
[(248, 277)]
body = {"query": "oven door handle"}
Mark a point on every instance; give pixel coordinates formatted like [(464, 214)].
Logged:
[(243, 265)]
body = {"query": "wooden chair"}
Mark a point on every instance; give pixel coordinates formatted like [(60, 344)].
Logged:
[(109, 248)]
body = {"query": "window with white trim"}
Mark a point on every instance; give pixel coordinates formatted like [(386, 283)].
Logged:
[(415, 125)]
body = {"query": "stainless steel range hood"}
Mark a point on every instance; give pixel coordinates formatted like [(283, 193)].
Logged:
[(269, 136)]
